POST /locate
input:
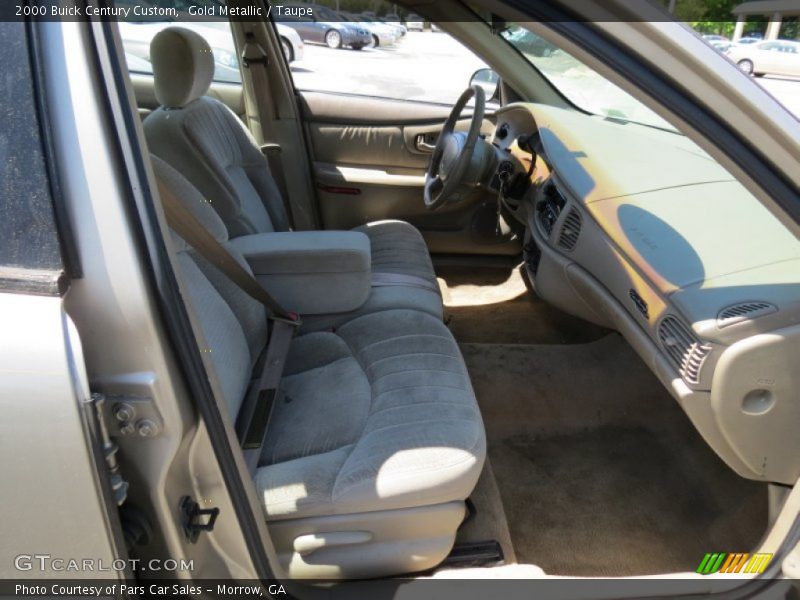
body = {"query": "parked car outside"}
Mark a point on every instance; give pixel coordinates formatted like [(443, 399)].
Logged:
[(370, 19), (291, 43), (324, 26), (775, 57), (382, 34), (391, 18), (749, 40), (529, 43), (721, 46), (415, 22), (397, 24)]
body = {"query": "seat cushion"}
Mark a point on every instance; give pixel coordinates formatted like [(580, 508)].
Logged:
[(382, 298), (378, 415), (398, 247)]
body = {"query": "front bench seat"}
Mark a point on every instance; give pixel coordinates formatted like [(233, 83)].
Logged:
[(377, 441), (207, 143)]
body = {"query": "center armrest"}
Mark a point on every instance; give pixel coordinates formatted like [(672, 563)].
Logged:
[(311, 272)]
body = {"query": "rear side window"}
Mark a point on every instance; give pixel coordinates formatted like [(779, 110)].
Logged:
[(28, 234), (136, 38)]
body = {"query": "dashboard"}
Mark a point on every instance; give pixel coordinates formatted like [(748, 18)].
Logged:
[(637, 229)]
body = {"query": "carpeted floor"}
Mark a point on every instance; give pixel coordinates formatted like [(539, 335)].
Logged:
[(487, 305), (599, 471), (489, 522)]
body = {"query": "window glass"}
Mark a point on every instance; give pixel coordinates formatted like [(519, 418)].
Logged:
[(581, 85), (375, 55), (136, 38), (28, 235)]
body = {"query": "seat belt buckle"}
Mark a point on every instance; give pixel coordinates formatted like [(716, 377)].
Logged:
[(292, 318), (271, 149)]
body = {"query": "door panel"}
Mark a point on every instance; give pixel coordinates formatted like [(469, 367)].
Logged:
[(370, 157), (44, 394)]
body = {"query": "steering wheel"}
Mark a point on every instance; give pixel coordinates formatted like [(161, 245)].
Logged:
[(452, 155)]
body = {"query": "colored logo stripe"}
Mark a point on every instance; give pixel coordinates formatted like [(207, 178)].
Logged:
[(736, 562), (711, 563)]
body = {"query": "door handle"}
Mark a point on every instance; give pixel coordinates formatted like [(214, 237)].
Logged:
[(421, 144)]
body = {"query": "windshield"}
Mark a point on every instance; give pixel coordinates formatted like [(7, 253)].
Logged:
[(582, 86)]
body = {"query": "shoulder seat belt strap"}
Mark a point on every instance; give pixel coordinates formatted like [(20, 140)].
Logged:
[(253, 417), (254, 58)]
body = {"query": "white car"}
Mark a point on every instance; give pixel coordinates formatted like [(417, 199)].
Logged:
[(775, 57), (415, 23), (293, 47), (382, 34)]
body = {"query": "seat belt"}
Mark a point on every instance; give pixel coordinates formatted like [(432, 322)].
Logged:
[(273, 153), (401, 279), (253, 418), (255, 59)]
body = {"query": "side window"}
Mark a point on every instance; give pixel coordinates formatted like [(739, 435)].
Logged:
[(28, 234), (382, 55), (136, 38)]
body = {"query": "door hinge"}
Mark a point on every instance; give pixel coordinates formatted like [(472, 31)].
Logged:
[(119, 487), (195, 520), (132, 416)]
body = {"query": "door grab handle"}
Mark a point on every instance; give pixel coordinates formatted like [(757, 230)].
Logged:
[(422, 145)]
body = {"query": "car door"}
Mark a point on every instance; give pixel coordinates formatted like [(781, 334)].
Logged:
[(788, 61), (793, 58), (372, 119), (767, 58), (57, 493), (309, 29)]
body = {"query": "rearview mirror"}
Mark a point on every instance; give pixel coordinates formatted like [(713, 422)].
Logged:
[(488, 79)]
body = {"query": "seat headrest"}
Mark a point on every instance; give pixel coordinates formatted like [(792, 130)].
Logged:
[(183, 66)]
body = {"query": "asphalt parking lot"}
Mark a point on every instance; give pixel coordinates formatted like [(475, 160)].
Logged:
[(431, 66), (786, 91)]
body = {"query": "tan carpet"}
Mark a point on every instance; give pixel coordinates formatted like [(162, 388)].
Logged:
[(491, 305), (489, 521), (599, 470)]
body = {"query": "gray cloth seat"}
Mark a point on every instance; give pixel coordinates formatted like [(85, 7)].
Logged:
[(207, 143), (377, 439), (397, 422)]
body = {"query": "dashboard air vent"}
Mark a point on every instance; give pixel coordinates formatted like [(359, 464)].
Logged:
[(743, 312), (570, 230), (684, 350)]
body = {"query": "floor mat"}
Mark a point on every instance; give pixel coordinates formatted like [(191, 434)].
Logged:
[(492, 305), (599, 470)]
